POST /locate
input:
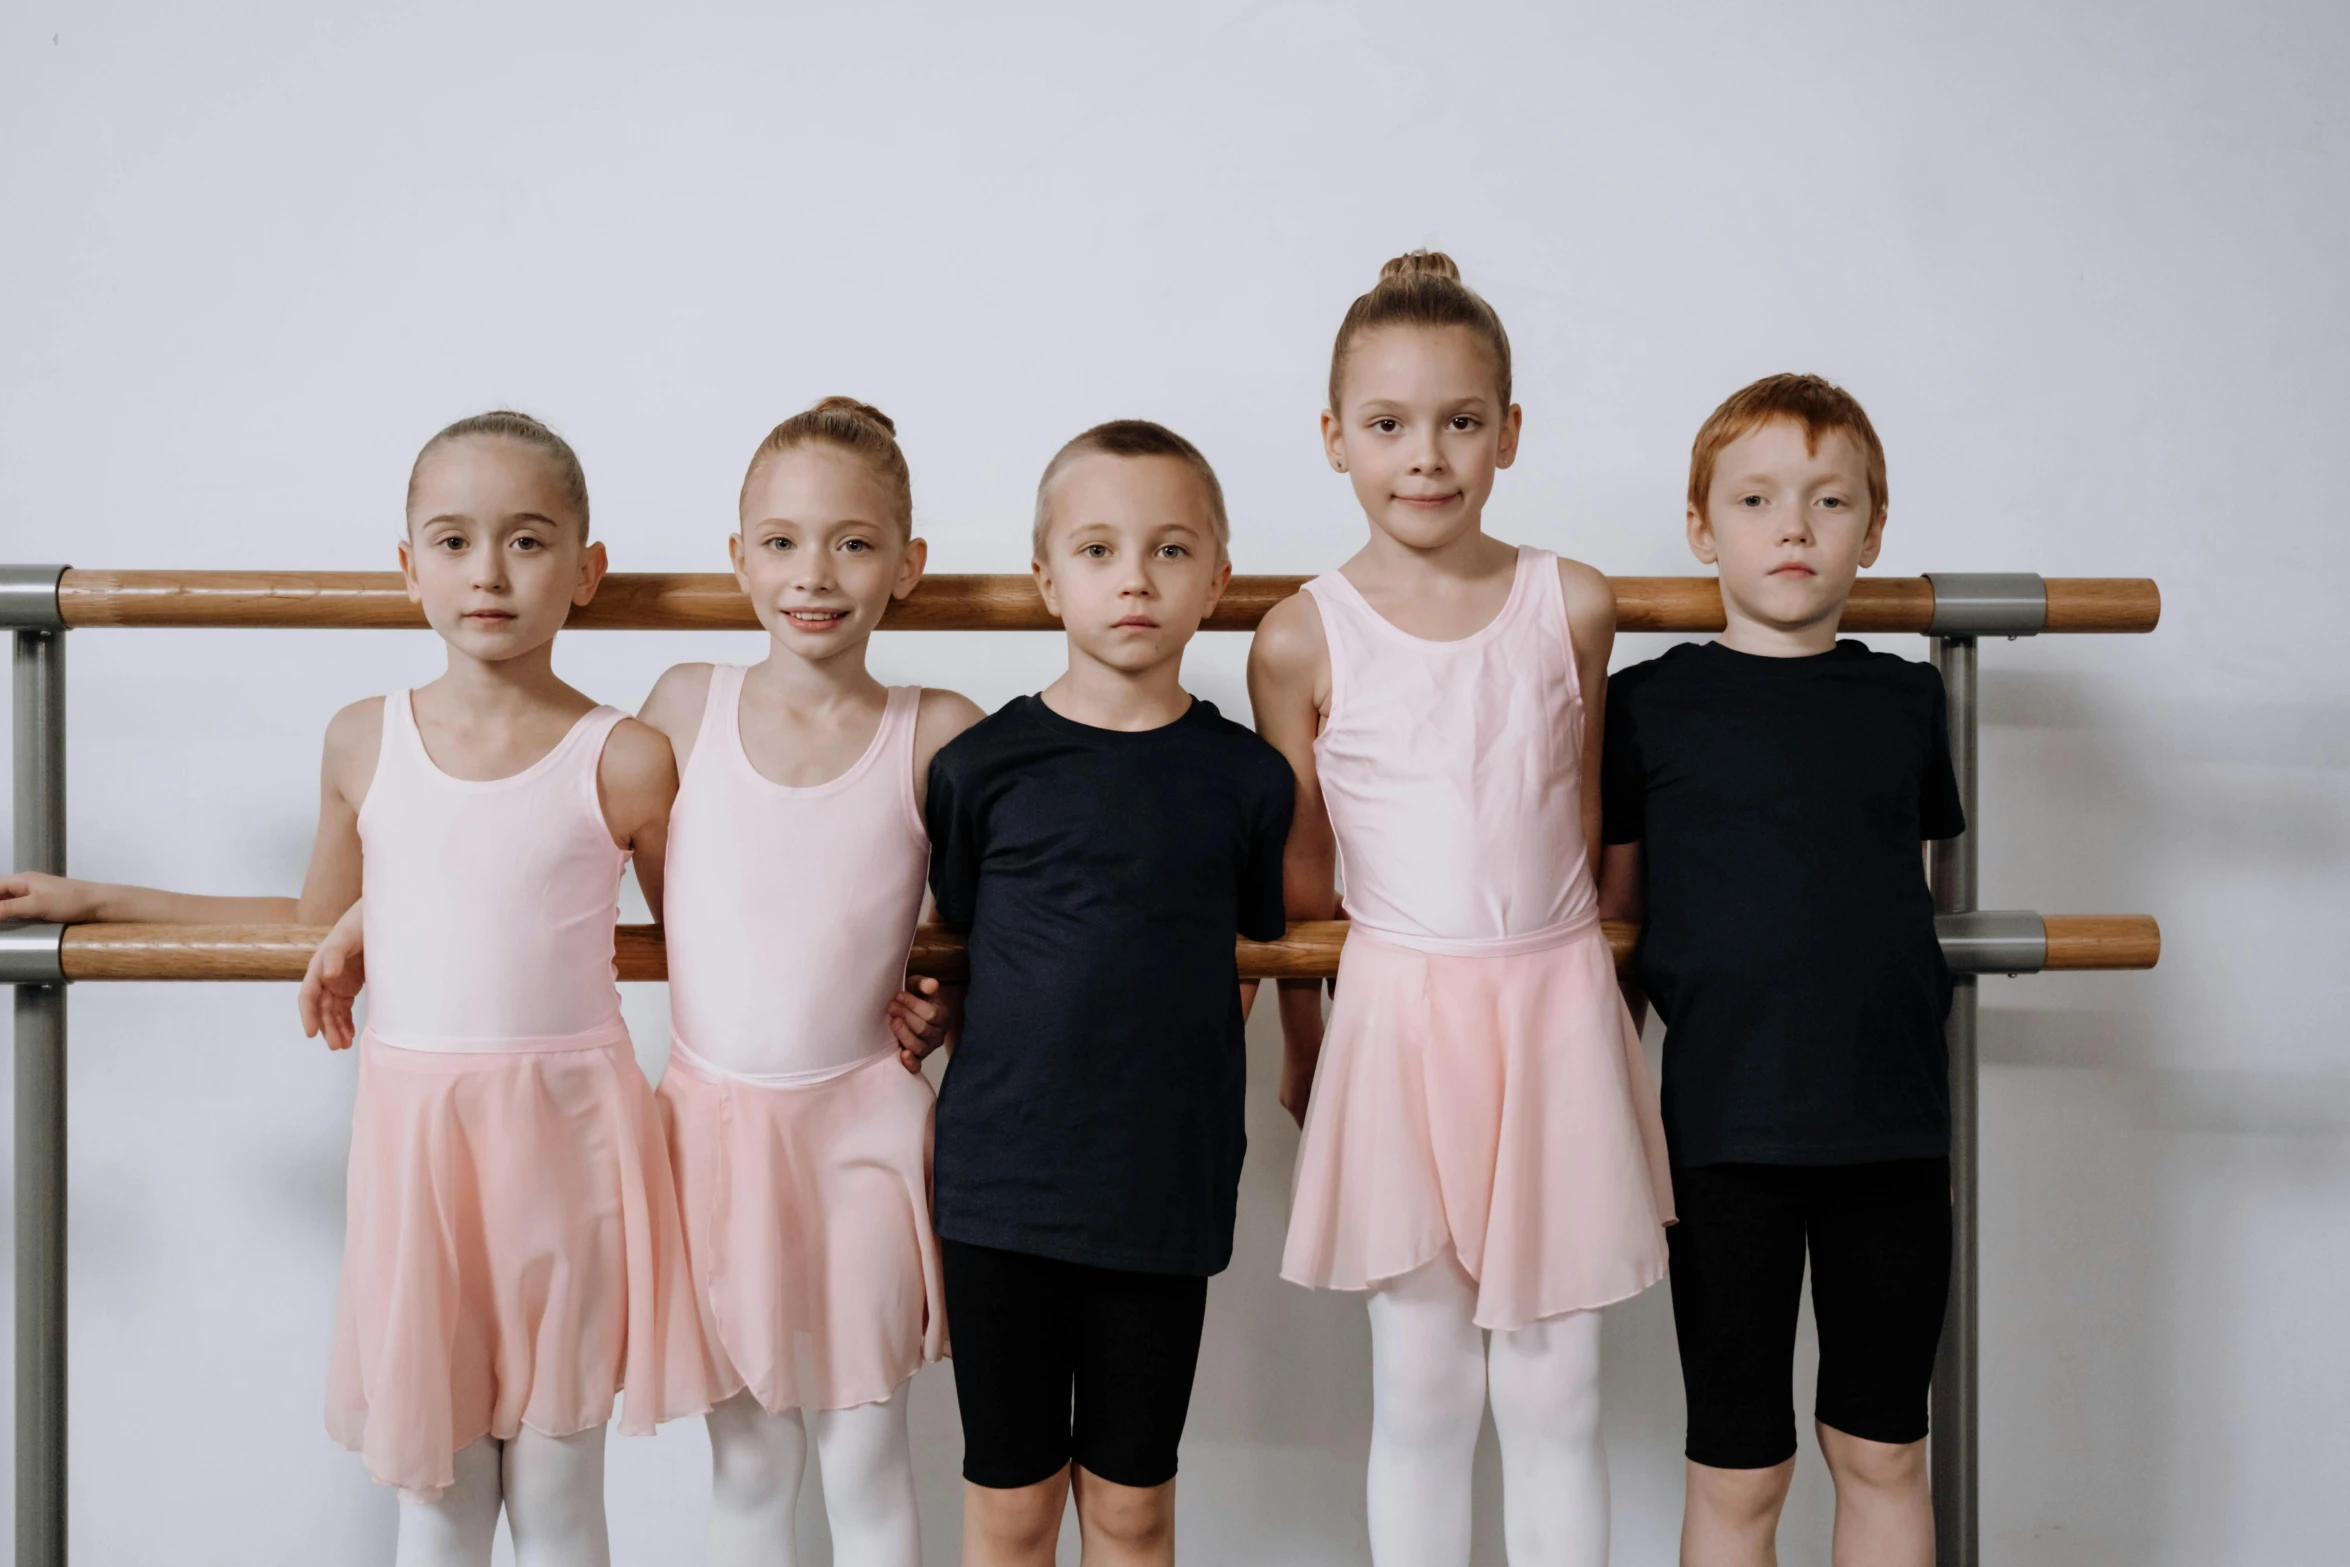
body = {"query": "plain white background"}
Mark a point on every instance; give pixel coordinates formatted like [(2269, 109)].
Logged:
[(2083, 263)]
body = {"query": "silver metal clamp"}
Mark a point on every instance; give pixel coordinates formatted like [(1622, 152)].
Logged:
[(1988, 604), (31, 953), (1993, 941), (28, 598)]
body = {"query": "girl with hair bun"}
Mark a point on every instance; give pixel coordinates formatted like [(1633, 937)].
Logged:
[(798, 1119), (512, 1254), (1481, 1152)]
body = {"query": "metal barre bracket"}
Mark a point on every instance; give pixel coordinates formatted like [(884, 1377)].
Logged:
[(28, 598), (1993, 941), (31, 953), (1988, 604)]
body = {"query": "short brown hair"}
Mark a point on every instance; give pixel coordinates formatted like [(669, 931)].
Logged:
[(1133, 438), (505, 424), (1421, 288), (1816, 405), (859, 429)]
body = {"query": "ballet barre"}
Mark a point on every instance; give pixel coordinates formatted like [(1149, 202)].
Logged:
[(2007, 941), (39, 604), (650, 601)]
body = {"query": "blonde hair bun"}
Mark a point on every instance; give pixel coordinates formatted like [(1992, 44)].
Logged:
[(1420, 264), (850, 405)]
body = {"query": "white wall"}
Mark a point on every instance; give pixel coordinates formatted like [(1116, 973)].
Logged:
[(2082, 262)]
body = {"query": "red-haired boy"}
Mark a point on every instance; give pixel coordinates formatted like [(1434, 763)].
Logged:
[(1766, 795)]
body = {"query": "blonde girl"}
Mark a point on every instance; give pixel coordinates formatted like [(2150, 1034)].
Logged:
[(798, 1119), (1481, 1148)]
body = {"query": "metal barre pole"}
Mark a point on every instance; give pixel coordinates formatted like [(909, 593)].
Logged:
[(1953, 1445), (40, 1095)]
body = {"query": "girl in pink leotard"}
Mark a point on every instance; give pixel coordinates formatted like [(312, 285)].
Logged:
[(513, 1255), (1481, 1148), (798, 1121)]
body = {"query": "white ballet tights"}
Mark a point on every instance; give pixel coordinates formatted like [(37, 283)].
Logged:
[(552, 1488), (1429, 1382), (757, 1461)]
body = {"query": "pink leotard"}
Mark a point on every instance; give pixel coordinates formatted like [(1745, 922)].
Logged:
[(1452, 771), (790, 909), (490, 904)]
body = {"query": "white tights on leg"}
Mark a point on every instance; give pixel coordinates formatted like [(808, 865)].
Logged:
[(757, 1461), (1553, 1459), (552, 1488), (1428, 1384)]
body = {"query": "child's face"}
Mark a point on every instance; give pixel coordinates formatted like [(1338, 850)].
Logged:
[(820, 553), (1130, 558), (494, 552), (1789, 528), (1423, 431)]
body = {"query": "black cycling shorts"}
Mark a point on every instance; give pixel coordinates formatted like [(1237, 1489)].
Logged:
[(1057, 1361), (1878, 1236)]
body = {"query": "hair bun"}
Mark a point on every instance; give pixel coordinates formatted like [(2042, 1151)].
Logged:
[(1419, 264), (865, 411)]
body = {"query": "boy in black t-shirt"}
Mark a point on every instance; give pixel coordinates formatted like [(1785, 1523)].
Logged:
[(1766, 797), (1103, 842)]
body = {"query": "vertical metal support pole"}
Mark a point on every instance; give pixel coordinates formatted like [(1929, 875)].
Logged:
[(1952, 1451), (40, 1122)]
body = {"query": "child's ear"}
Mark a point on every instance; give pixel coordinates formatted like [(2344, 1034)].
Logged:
[(1217, 585), (1333, 441), (1513, 424), (408, 573), (910, 567), (734, 561), (1701, 539), (1044, 587), (593, 563), (1873, 540)]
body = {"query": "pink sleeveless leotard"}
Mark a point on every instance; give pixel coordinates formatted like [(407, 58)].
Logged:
[(801, 1145), (513, 1252), (1481, 1088)]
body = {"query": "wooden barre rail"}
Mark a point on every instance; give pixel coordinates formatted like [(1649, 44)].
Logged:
[(649, 601), (1309, 950)]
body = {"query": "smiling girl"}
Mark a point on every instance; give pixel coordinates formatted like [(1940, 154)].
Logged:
[(1481, 1149), (512, 1254), (799, 1121)]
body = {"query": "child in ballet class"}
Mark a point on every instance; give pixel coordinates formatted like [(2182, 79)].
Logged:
[(1103, 842), (1767, 794), (1481, 1150), (513, 1255), (797, 1115)]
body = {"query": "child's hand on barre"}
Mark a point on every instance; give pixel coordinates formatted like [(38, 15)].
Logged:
[(925, 1016), (59, 900), (337, 973)]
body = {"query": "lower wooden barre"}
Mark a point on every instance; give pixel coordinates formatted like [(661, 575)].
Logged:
[(708, 601), (2102, 941), (1308, 951)]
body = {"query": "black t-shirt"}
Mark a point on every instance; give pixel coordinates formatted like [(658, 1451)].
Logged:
[(1092, 1111), (1780, 805)]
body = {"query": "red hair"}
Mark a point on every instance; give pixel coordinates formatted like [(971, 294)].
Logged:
[(1815, 405)]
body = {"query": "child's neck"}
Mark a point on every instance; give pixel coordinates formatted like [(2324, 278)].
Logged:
[(1103, 696), (813, 685), (1468, 558), (504, 688), (1745, 633)]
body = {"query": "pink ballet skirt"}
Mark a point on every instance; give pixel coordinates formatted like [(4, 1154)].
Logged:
[(807, 1219), (513, 1256), (1495, 1106)]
